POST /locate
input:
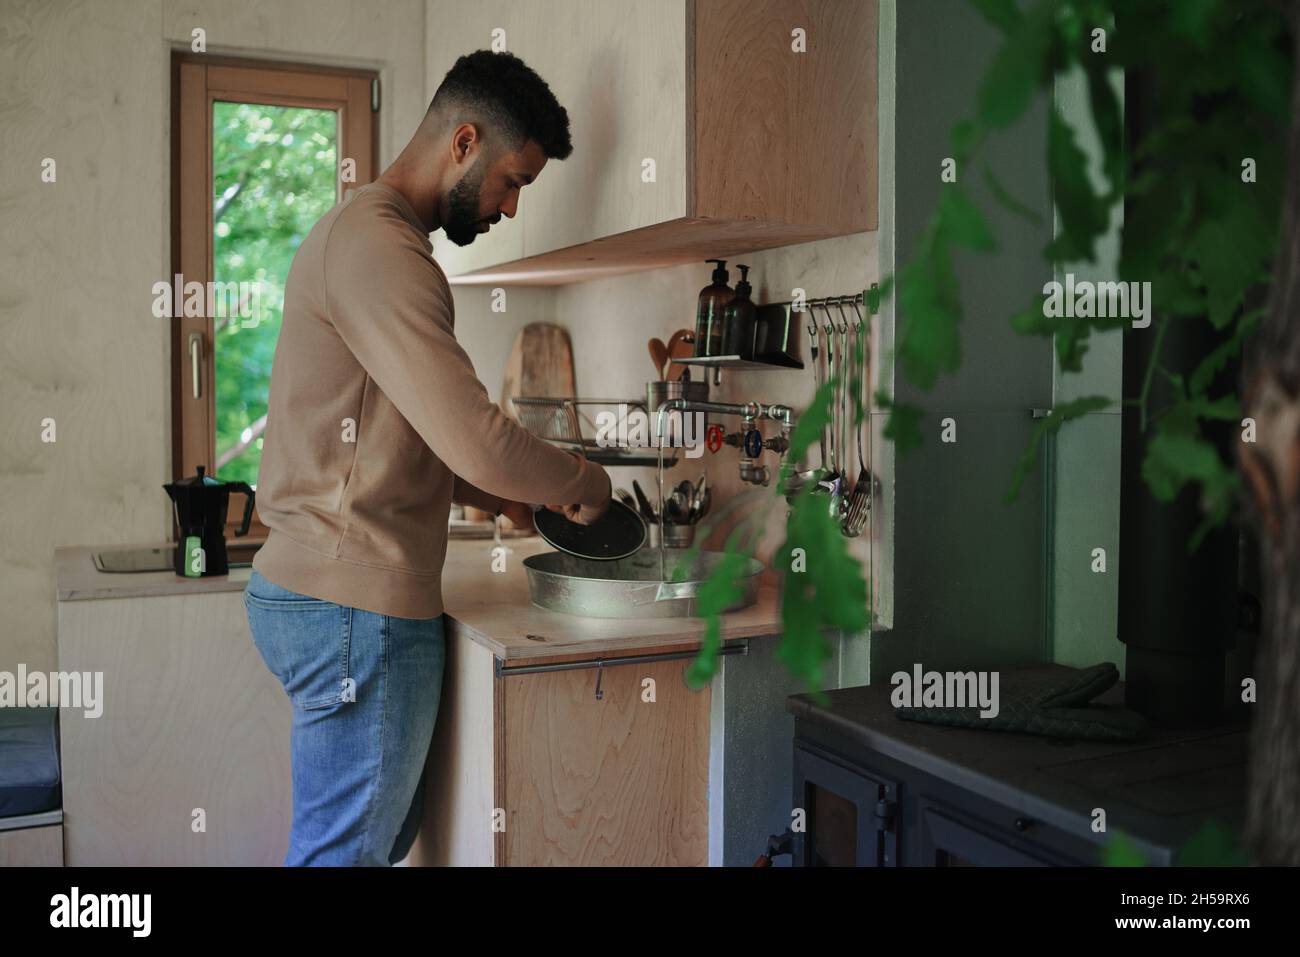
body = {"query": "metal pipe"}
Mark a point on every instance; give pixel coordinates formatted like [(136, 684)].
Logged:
[(746, 410)]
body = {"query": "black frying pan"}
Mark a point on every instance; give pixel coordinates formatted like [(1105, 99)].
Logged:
[(618, 533)]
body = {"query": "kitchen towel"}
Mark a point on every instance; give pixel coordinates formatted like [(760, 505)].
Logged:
[(1055, 705)]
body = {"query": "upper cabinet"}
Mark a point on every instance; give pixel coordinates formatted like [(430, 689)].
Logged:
[(701, 128)]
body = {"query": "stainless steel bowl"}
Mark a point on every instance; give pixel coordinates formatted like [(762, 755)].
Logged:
[(627, 588)]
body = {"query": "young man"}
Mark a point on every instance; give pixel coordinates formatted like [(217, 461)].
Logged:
[(376, 424)]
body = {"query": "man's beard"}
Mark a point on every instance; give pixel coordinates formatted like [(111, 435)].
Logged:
[(463, 220)]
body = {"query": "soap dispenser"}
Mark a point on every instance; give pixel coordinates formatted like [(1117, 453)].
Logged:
[(738, 320), (708, 314)]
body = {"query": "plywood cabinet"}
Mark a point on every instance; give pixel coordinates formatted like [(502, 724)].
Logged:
[(700, 128), (535, 769)]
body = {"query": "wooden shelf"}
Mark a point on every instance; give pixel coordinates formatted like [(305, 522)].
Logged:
[(750, 143)]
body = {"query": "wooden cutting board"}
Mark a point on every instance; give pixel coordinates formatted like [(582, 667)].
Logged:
[(540, 363)]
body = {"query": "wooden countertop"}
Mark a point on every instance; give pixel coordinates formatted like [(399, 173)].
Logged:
[(490, 608)]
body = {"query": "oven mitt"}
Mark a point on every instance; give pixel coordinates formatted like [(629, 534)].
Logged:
[(1054, 705)]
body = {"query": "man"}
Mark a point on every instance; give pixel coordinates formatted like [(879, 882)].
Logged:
[(376, 424)]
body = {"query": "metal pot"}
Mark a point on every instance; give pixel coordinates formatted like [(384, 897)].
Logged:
[(627, 588)]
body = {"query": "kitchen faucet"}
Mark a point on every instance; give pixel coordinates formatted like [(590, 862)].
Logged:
[(749, 440)]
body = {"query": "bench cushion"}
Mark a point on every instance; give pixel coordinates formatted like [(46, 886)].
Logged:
[(29, 761)]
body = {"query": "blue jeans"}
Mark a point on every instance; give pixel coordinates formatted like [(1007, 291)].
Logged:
[(365, 689)]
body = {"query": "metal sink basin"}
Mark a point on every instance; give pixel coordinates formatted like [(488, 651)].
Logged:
[(628, 588)]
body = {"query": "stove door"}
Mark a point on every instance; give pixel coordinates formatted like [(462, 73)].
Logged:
[(849, 812)]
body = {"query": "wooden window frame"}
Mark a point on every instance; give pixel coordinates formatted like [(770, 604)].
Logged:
[(198, 81)]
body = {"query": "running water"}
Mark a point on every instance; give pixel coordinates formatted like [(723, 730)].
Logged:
[(663, 577)]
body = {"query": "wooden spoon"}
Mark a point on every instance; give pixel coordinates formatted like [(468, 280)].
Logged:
[(659, 356), (680, 346)]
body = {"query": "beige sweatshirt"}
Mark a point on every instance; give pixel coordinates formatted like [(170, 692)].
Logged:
[(376, 421)]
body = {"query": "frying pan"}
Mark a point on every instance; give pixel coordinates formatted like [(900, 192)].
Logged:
[(620, 532)]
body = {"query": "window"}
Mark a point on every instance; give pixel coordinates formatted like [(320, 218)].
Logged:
[(260, 151)]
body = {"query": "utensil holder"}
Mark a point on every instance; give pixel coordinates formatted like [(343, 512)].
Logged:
[(675, 536)]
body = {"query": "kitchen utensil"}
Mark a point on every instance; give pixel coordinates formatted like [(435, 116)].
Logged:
[(647, 510), (700, 508), (680, 346), (819, 378), (625, 497), (540, 364), (628, 588), (832, 478), (200, 503), (678, 505), (697, 497), (845, 410), (858, 506), (617, 534), (659, 356)]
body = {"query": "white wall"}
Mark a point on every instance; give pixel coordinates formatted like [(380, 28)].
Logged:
[(86, 82)]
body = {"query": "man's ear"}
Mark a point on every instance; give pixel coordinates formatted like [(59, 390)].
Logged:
[(464, 141)]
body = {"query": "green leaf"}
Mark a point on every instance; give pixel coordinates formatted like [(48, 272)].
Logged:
[(1108, 119), (1018, 69), (961, 221), (928, 343), (1231, 253), (829, 594), (810, 426), (721, 590), (1192, 18), (1083, 215), (1003, 14), (1030, 321), (1050, 426), (1212, 846), (1120, 851), (1218, 359), (966, 138), (903, 427), (1173, 459)]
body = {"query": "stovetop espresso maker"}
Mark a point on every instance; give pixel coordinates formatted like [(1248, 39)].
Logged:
[(200, 503)]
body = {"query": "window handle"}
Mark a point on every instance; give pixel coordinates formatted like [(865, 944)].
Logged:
[(196, 356)]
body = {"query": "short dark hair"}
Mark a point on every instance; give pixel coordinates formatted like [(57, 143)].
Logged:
[(501, 92)]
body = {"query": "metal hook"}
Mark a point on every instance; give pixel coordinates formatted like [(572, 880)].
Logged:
[(857, 312), (844, 321), (600, 671)]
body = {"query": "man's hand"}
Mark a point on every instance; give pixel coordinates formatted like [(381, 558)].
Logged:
[(519, 513), (582, 514)]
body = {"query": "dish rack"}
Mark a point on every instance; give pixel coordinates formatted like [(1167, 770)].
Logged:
[(560, 422)]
